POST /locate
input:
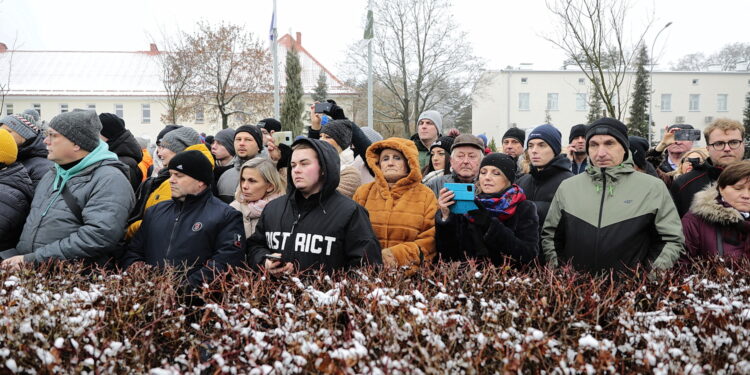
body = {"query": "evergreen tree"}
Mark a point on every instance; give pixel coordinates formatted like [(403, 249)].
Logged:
[(638, 121), (595, 107), (320, 93), (292, 108), (492, 145), (746, 122)]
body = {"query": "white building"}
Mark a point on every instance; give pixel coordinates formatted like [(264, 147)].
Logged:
[(124, 83), (523, 98)]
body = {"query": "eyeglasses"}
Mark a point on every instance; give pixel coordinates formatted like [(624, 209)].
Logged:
[(733, 144)]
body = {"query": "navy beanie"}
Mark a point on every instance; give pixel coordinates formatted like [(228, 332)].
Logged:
[(548, 134), (609, 126)]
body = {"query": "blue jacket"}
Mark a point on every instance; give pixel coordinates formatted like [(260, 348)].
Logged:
[(202, 233)]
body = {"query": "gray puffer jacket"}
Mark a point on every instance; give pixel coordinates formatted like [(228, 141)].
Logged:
[(102, 192)]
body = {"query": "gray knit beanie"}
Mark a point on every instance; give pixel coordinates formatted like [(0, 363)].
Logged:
[(435, 117), (80, 126), (22, 124), (372, 134), (340, 131), (179, 139), (226, 138)]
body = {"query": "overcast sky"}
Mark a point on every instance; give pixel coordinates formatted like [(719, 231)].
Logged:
[(507, 32)]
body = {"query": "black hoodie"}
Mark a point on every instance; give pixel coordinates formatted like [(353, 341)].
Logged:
[(33, 155), (129, 152), (325, 230), (540, 185)]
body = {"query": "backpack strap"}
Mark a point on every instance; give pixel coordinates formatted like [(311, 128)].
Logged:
[(71, 202)]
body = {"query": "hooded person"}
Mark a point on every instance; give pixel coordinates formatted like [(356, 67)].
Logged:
[(611, 218), (16, 192), (32, 153), (401, 208), (248, 144), (503, 226), (548, 169), (157, 189), (429, 129), (122, 142), (338, 133), (80, 209), (638, 149), (313, 226)]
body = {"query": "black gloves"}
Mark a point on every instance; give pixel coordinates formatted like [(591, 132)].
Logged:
[(336, 112), (481, 217)]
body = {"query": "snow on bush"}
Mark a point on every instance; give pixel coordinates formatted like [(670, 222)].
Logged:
[(449, 318)]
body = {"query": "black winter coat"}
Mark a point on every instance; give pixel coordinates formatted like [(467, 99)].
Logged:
[(687, 185), (16, 194), (129, 152), (326, 230), (202, 233), (33, 156), (540, 186), (457, 239)]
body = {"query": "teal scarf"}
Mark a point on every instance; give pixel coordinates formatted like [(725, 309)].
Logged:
[(62, 176)]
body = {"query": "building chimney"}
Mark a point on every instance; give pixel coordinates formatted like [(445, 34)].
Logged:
[(299, 39), (3, 47), (153, 50)]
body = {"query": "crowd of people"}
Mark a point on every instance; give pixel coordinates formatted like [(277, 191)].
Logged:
[(83, 188)]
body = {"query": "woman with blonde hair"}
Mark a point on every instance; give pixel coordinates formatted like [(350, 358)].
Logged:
[(688, 162), (260, 183)]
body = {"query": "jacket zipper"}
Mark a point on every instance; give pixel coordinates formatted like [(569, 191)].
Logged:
[(171, 236), (601, 211)]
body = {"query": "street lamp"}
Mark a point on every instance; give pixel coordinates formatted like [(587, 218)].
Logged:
[(651, 84)]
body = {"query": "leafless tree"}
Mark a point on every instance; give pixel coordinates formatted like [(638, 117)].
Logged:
[(592, 33), (177, 67), (232, 71), (6, 59), (732, 56), (415, 61)]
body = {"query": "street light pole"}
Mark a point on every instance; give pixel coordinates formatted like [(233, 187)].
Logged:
[(651, 84)]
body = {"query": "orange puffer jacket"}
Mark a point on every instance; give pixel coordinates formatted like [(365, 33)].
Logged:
[(403, 216)]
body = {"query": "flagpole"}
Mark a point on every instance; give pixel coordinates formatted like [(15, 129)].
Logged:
[(369, 72), (274, 47)]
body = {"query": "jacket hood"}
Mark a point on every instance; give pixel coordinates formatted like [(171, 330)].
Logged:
[(15, 176), (557, 164), (613, 174), (33, 147), (707, 205), (125, 145), (406, 147), (329, 167), (206, 152)]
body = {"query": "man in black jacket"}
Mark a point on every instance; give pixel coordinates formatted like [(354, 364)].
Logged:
[(313, 226), (194, 229), (122, 142)]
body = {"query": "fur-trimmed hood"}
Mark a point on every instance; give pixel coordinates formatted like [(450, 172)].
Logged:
[(408, 149), (707, 205)]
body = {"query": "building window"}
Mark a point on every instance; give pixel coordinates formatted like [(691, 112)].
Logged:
[(199, 116), (524, 80), (91, 107), (8, 109), (523, 101), (581, 81), (145, 113), (695, 81), (721, 102), (581, 102), (695, 103), (63, 108), (38, 109), (552, 101), (666, 102), (118, 110)]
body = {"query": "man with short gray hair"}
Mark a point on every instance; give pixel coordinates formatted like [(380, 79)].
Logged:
[(466, 155)]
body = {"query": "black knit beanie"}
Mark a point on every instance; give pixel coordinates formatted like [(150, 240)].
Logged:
[(194, 164), (254, 131), (502, 162), (612, 127), (340, 131), (577, 131)]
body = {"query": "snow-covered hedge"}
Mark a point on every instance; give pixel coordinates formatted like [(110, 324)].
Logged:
[(449, 318)]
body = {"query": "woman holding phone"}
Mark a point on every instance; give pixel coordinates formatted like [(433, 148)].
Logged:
[(504, 224)]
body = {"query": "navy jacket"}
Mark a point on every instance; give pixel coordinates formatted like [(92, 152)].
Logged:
[(202, 233), (327, 230), (16, 194)]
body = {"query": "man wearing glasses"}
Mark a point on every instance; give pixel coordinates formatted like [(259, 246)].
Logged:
[(725, 142), (81, 206)]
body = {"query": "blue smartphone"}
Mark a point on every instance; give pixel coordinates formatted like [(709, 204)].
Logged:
[(463, 196)]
